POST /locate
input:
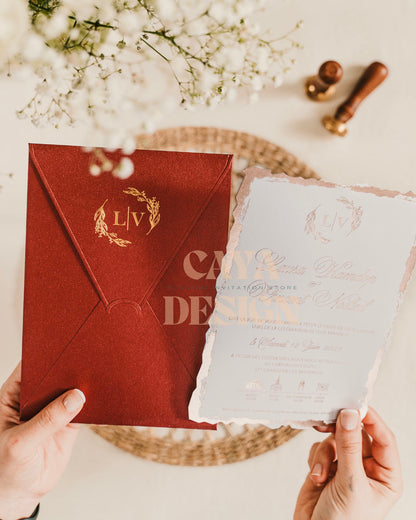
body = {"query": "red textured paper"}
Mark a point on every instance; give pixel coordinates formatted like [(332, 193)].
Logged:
[(94, 311)]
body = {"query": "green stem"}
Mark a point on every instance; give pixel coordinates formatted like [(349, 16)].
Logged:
[(154, 49), (171, 39)]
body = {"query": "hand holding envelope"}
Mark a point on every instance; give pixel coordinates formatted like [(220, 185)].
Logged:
[(104, 260)]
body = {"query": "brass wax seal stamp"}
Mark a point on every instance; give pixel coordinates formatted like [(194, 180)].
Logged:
[(322, 86), (372, 77)]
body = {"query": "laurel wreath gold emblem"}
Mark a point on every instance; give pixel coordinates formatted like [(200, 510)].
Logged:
[(151, 203), (356, 214), (101, 227)]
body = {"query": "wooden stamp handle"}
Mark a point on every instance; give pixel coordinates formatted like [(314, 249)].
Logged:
[(372, 77), (330, 72)]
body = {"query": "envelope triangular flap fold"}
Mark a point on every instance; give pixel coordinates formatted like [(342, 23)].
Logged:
[(127, 232)]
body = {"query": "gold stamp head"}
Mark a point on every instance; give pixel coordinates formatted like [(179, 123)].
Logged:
[(334, 126)]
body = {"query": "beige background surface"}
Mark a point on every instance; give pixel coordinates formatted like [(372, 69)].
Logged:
[(103, 481)]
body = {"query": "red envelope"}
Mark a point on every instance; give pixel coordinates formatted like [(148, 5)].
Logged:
[(117, 271)]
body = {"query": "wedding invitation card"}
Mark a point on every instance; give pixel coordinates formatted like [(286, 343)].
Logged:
[(309, 287)]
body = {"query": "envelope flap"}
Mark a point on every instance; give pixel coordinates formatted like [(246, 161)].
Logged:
[(127, 231)]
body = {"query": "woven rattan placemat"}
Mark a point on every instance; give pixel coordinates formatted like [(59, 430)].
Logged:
[(231, 443)]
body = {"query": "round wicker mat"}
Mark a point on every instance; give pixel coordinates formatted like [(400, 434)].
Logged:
[(230, 443)]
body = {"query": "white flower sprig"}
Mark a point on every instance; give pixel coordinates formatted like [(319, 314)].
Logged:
[(117, 66)]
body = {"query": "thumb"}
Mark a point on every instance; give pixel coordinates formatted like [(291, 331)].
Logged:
[(348, 439), (52, 418)]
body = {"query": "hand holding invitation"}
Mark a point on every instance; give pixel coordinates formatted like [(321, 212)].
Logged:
[(308, 291)]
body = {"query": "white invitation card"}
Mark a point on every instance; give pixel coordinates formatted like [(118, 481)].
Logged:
[(309, 287)]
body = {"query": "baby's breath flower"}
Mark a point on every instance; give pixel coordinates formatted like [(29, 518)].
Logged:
[(166, 9), (129, 146), (257, 83), (130, 23), (95, 170), (56, 25), (116, 67), (124, 169), (33, 47), (231, 58)]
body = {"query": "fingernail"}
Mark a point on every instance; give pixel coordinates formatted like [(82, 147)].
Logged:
[(349, 419), (317, 470), (74, 400)]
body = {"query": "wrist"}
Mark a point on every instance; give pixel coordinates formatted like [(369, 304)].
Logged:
[(17, 509)]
